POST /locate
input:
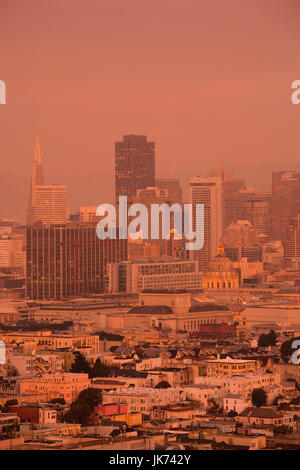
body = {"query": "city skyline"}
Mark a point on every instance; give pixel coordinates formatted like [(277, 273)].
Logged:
[(75, 199), (207, 89)]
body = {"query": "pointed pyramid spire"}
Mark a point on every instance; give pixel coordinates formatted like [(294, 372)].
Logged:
[(37, 152)]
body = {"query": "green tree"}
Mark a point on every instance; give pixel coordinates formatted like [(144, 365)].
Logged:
[(101, 370), (80, 364), (267, 340), (91, 396), (263, 341), (81, 409), (259, 397), (163, 384), (12, 371), (79, 412), (272, 337)]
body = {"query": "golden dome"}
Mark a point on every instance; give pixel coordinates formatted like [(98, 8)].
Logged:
[(221, 265)]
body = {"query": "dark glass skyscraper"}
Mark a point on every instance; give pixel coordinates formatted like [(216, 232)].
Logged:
[(68, 261), (134, 165)]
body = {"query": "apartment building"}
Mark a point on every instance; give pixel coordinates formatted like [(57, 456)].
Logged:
[(241, 384), (229, 366), (142, 399), (47, 340), (50, 386)]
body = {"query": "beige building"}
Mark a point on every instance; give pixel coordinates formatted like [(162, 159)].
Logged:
[(48, 340), (142, 399), (159, 273), (166, 310), (228, 367), (50, 386), (241, 384), (207, 191)]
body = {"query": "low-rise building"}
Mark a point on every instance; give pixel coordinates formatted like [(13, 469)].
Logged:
[(236, 403), (240, 384), (266, 416), (229, 366), (34, 413), (50, 386), (142, 399)]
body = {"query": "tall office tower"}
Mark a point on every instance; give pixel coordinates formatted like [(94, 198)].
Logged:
[(50, 204), (256, 208), (285, 203), (231, 200), (291, 244), (68, 261), (134, 165), (37, 179), (173, 187), (207, 191)]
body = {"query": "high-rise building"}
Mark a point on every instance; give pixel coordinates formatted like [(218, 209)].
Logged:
[(231, 198), (37, 179), (291, 244), (173, 187), (50, 204), (256, 208), (207, 191), (67, 261), (47, 203), (134, 165), (285, 201)]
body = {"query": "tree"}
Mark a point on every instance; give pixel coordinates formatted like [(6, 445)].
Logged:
[(91, 396), (232, 414), (272, 338), (12, 371), (267, 340), (79, 412), (263, 341), (81, 409), (80, 364), (101, 370), (259, 397), (163, 384)]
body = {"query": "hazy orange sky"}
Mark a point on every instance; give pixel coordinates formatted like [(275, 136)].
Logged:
[(209, 81)]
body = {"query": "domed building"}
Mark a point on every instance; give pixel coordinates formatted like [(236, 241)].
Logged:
[(221, 273)]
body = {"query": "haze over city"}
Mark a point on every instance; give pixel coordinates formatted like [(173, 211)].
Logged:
[(208, 81)]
